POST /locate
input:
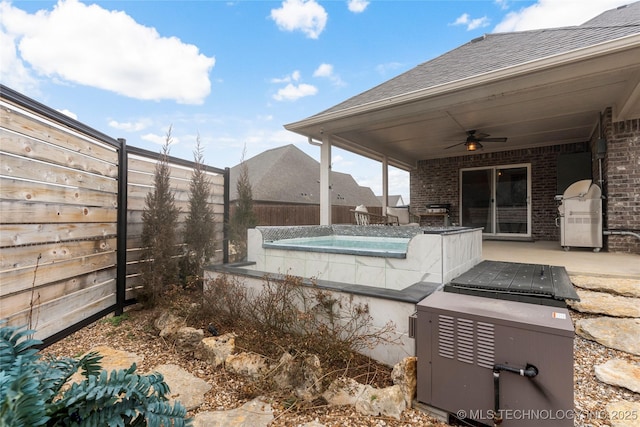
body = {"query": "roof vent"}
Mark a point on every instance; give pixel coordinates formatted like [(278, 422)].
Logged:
[(622, 7), (479, 39)]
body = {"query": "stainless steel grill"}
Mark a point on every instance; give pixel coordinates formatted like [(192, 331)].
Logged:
[(580, 216)]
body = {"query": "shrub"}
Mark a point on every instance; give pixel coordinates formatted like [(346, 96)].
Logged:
[(32, 392), (199, 226), (243, 216), (159, 223), (289, 312)]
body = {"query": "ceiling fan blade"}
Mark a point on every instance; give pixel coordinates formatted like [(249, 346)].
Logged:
[(454, 145), (493, 139)]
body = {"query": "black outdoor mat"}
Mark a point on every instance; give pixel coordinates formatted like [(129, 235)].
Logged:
[(531, 283)]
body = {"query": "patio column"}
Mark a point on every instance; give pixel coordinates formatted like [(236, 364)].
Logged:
[(325, 184), (385, 184)]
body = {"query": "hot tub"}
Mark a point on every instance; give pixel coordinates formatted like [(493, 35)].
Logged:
[(387, 269), (378, 256), (386, 247)]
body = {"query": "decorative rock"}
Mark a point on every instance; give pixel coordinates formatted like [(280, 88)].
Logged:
[(614, 285), (256, 413), (184, 387), (620, 334), (367, 400), (302, 373), (623, 413), (604, 303), (112, 359), (189, 339), (404, 375), (620, 373), (168, 323), (343, 391), (216, 349), (117, 359), (388, 401), (248, 364)]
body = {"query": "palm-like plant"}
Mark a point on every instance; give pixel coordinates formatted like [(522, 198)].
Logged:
[(32, 393)]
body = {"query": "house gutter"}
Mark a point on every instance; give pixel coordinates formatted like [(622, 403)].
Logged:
[(566, 58)]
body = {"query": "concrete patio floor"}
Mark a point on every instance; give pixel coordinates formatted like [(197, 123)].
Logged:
[(576, 261)]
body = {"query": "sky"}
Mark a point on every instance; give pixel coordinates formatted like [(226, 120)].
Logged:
[(233, 73)]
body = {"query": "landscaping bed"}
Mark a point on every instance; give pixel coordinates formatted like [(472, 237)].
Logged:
[(135, 332)]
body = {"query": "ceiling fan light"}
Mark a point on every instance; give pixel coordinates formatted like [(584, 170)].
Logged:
[(473, 146)]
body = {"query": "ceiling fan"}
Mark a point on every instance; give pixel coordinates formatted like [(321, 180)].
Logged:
[(473, 140)]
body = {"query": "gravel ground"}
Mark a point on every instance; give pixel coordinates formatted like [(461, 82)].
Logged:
[(136, 334)]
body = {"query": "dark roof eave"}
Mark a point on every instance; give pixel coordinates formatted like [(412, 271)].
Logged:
[(306, 126)]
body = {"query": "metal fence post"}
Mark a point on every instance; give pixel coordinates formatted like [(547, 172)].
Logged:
[(225, 235), (121, 260)]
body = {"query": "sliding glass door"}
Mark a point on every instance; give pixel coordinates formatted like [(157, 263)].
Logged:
[(497, 199)]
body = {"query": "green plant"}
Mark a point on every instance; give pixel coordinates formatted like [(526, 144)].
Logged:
[(116, 320), (199, 226), (243, 216), (32, 392), (159, 238)]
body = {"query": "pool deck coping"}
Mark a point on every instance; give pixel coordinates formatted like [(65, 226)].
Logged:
[(411, 294)]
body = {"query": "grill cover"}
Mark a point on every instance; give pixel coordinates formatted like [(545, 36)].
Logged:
[(581, 216)]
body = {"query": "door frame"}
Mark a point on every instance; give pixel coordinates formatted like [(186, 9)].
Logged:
[(493, 170)]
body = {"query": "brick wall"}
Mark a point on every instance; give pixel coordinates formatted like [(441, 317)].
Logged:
[(622, 182), (437, 181)]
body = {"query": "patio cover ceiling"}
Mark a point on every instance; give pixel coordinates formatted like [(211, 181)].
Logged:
[(548, 101)]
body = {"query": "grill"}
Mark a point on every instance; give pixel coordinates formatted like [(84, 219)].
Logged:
[(443, 208), (580, 216)]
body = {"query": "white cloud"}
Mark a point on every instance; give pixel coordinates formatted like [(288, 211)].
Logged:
[(293, 77), (339, 161), (105, 49), (471, 24), (502, 4), (555, 13), (68, 113), (326, 71), (13, 72), (130, 126), (301, 15), (388, 67), (323, 70), (160, 139), (293, 92), (357, 6)]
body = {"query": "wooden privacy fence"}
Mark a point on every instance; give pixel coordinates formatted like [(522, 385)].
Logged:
[(291, 215), (71, 203)]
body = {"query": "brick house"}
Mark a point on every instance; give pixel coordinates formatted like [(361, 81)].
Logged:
[(501, 125)]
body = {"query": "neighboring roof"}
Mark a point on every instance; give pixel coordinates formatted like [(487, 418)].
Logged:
[(493, 52), (395, 200), (288, 175)]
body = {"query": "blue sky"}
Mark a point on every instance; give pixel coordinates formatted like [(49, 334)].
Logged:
[(234, 72)]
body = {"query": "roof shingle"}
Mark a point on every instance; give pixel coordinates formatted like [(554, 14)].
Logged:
[(493, 52)]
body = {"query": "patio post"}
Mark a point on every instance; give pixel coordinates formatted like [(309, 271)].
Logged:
[(325, 184), (385, 184)]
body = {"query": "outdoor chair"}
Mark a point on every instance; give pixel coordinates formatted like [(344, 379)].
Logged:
[(402, 216), (363, 217)]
